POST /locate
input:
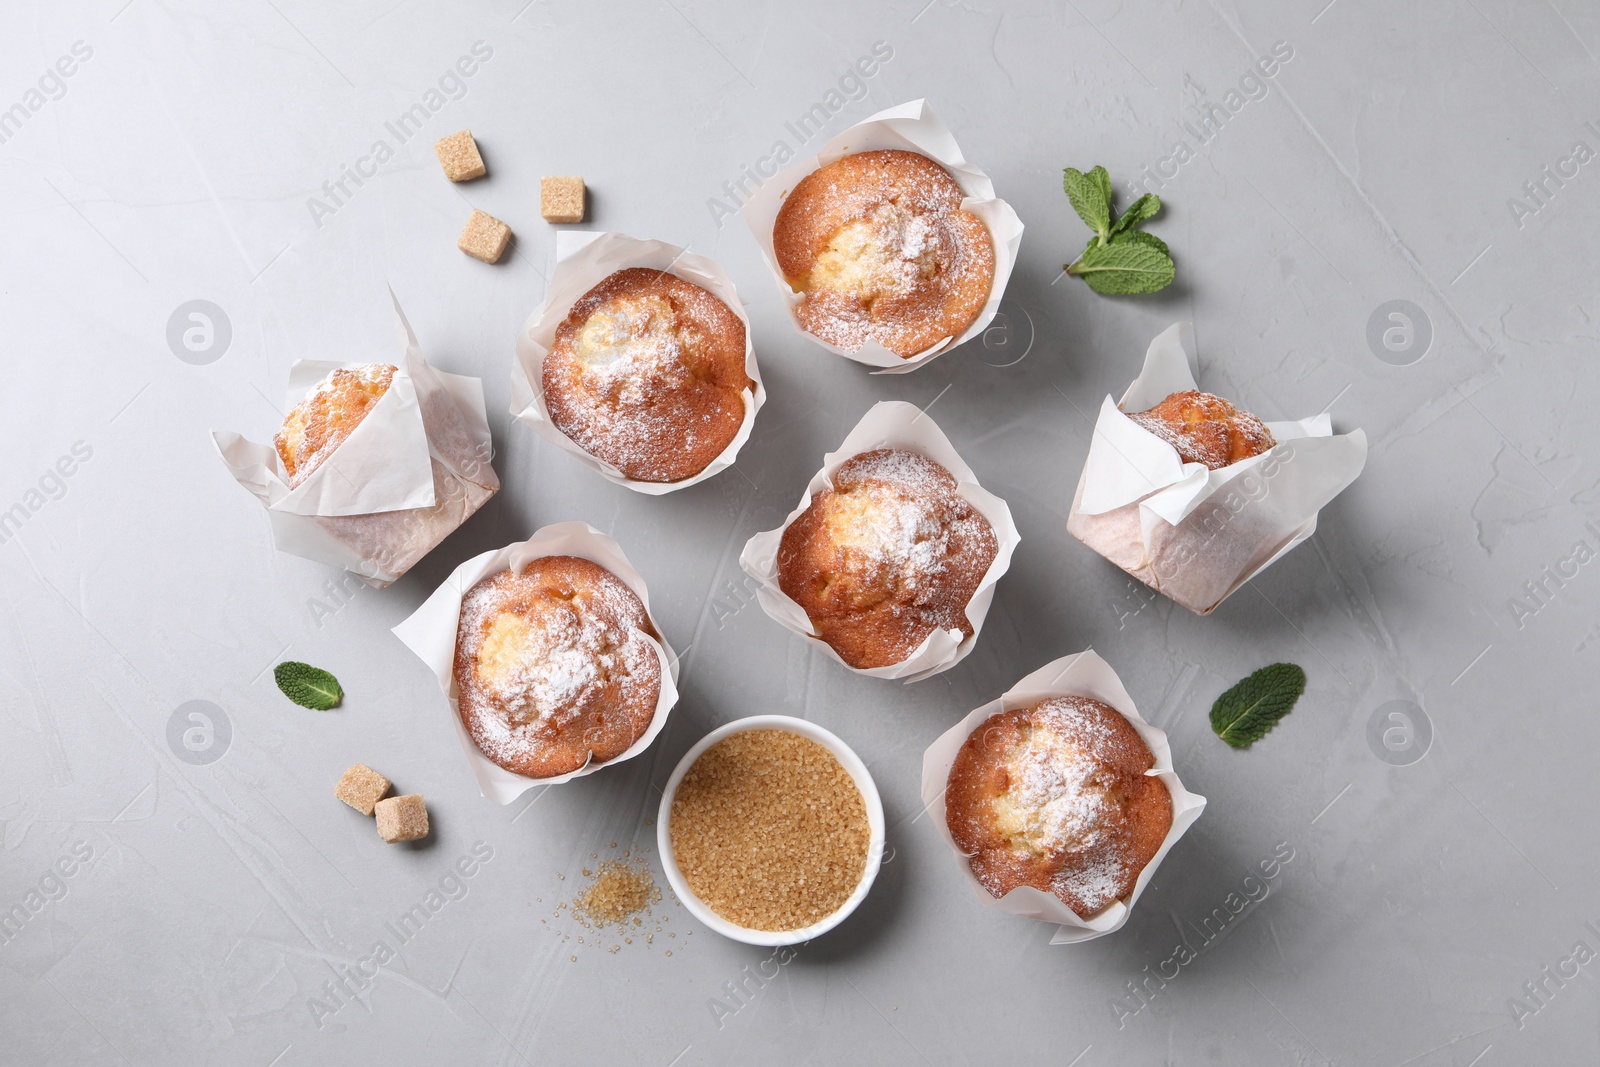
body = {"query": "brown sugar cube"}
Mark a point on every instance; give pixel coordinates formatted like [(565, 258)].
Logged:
[(458, 155), (485, 237), (402, 818), (561, 199), (361, 787)]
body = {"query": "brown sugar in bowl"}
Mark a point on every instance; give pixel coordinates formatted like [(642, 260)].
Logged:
[(869, 799)]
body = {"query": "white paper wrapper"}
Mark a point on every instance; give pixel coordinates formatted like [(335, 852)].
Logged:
[(891, 424), (583, 260), (1191, 533), (407, 476), (1086, 675), (430, 632), (912, 127)]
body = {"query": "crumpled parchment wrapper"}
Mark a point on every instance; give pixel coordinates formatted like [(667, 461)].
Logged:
[(1190, 533), (408, 475)]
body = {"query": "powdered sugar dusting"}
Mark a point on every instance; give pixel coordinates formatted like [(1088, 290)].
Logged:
[(547, 665), (1057, 799), (1096, 879), (891, 516), (628, 343), (884, 254)]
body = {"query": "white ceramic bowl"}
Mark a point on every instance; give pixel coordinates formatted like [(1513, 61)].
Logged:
[(869, 794)]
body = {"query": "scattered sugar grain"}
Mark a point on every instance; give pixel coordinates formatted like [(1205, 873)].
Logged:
[(619, 892)]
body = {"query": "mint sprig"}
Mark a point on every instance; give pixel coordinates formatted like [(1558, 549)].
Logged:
[(1253, 706), (1120, 258), (310, 687)]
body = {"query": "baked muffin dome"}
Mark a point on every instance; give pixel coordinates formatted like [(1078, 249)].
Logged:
[(647, 374), (1206, 429), (879, 245), (1055, 796), (552, 667), (888, 555), (329, 414)]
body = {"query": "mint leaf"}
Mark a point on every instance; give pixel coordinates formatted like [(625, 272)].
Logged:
[(1139, 237), (1253, 706), (1124, 267), (1090, 197), (1129, 237), (1104, 181), (1141, 209), (310, 687), (1120, 258)]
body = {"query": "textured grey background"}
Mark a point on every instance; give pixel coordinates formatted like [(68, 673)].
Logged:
[(176, 163)]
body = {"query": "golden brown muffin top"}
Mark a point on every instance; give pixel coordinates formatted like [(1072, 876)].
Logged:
[(1206, 429), (648, 374), (879, 245), (329, 414), (886, 556), (1055, 796), (552, 664)]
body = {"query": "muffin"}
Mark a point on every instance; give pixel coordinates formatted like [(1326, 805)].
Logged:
[(648, 374), (552, 667), (886, 556), (1206, 429), (1056, 797), (327, 416), (879, 246)]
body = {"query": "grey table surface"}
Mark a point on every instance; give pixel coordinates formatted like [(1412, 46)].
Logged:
[(176, 907)]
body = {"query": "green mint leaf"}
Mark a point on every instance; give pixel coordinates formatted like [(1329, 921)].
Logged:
[(1090, 197), (1123, 268), (1140, 210), (1253, 706), (1104, 181), (1130, 237), (1139, 237), (310, 687)]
